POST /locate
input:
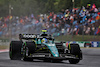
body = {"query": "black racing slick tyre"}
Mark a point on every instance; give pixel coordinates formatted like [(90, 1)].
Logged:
[(15, 50), (75, 50), (29, 49)]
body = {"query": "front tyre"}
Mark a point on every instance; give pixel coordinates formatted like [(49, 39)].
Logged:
[(75, 50), (74, 61)]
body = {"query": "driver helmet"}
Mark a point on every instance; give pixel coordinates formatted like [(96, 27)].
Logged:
[(44, 40)]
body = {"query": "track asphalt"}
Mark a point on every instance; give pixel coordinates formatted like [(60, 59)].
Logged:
[(91, 58)]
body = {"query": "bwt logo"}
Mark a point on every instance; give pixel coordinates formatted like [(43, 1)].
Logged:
[(29, 36)]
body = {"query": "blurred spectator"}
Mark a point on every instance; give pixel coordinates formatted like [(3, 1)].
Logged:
[(77, 21)]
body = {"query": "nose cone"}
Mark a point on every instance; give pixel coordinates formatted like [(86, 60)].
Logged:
[(53, 50)]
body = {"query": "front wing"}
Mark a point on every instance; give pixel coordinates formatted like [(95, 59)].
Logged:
[(49, 56)]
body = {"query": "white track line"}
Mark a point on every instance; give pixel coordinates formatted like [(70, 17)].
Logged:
[(2, 51)]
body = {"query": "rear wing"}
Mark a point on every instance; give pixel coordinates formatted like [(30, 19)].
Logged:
[(28, 36), (33, 36)]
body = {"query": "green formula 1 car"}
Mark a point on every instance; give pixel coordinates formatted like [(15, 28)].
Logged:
[(43, 47)]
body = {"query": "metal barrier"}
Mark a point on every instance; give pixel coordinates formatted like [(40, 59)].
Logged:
[(81, 43), (86, 43)]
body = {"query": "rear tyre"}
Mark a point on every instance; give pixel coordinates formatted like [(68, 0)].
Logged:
[(29, 49), (15, 50), (75, 50), (26, 54)]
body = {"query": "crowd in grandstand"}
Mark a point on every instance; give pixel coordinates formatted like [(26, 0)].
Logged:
[(77, 21), (85, 20)]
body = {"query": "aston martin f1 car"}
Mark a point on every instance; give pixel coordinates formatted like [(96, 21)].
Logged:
[(43, 47)]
